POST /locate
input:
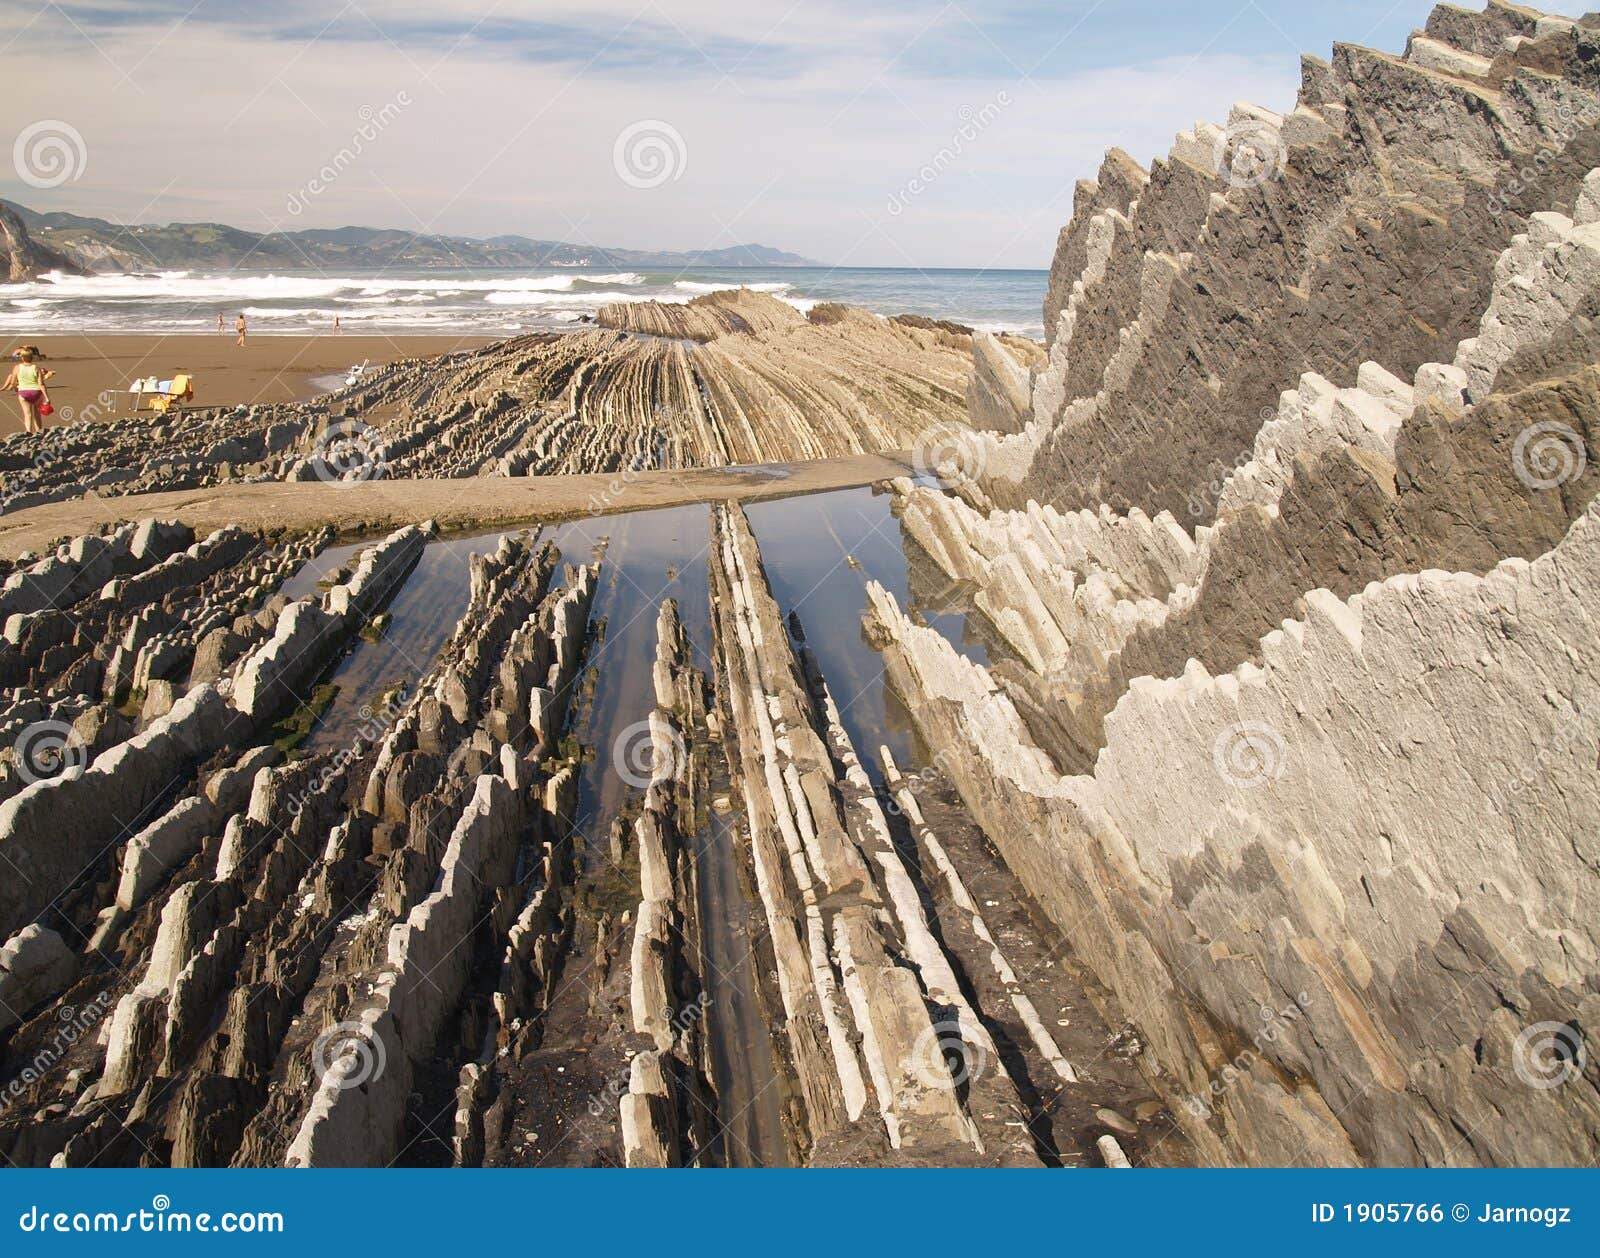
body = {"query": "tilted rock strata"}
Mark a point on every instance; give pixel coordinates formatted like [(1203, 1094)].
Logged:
[(663, 1114), (1364, 225), (705, 318), (871, 1003), (1343, 486), (1244, 904), (424, 963), (143, 454), (1280, 826), (107, 795), (733, 378), (1082, 624), (999, 396), (287, 926)]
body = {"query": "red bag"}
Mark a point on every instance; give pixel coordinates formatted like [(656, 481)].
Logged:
[(46, 409)]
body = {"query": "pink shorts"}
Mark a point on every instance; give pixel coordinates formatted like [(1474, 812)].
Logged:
[(31, 396)]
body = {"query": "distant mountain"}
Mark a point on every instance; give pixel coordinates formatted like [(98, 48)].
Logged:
[(99, 245)]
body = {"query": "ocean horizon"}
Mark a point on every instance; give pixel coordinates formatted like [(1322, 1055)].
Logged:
[(493, 302)]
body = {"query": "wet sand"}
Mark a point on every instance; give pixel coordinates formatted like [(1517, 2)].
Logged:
[(480, 502), (266, 369)]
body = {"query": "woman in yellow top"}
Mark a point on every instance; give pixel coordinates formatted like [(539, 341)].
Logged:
[(28, 379)]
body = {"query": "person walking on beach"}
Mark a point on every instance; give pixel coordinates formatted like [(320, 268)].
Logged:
[(337, 330), (239, 327), (28, 379), (220, 330)]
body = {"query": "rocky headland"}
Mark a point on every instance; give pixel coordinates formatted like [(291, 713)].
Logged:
[(24, 258)]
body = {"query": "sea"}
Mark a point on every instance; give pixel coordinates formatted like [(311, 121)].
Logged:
[(492, 302)]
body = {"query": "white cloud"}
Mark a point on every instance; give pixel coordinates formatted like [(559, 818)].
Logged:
[(220, 123)]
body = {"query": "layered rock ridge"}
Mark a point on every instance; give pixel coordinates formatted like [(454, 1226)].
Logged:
[(1364, 224), (1336, 867), (731, 378)]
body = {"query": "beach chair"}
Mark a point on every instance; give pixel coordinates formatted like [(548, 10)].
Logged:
[(162, 396)]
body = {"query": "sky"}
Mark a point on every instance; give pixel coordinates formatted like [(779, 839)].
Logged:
[(856, 132)]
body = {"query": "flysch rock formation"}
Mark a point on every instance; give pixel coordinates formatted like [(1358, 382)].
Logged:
[(479, 746), (1337, 831), (664, 1114), (731, 378), (1252, 822), (269, 953), (109, 796), (892, 1058), (1363, 225), (1287, 581), (405, 948), (379, 952)]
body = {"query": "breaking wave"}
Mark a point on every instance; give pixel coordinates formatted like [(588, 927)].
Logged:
[(482, 302)]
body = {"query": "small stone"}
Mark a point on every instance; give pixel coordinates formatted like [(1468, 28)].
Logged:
[(1117, 1122)]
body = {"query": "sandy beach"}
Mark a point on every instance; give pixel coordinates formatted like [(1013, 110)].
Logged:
[(266, 369)]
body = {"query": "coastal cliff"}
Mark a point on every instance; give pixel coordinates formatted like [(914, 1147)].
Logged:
[(22, 258)]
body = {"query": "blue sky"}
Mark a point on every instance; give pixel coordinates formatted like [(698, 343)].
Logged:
[(811, 126)]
